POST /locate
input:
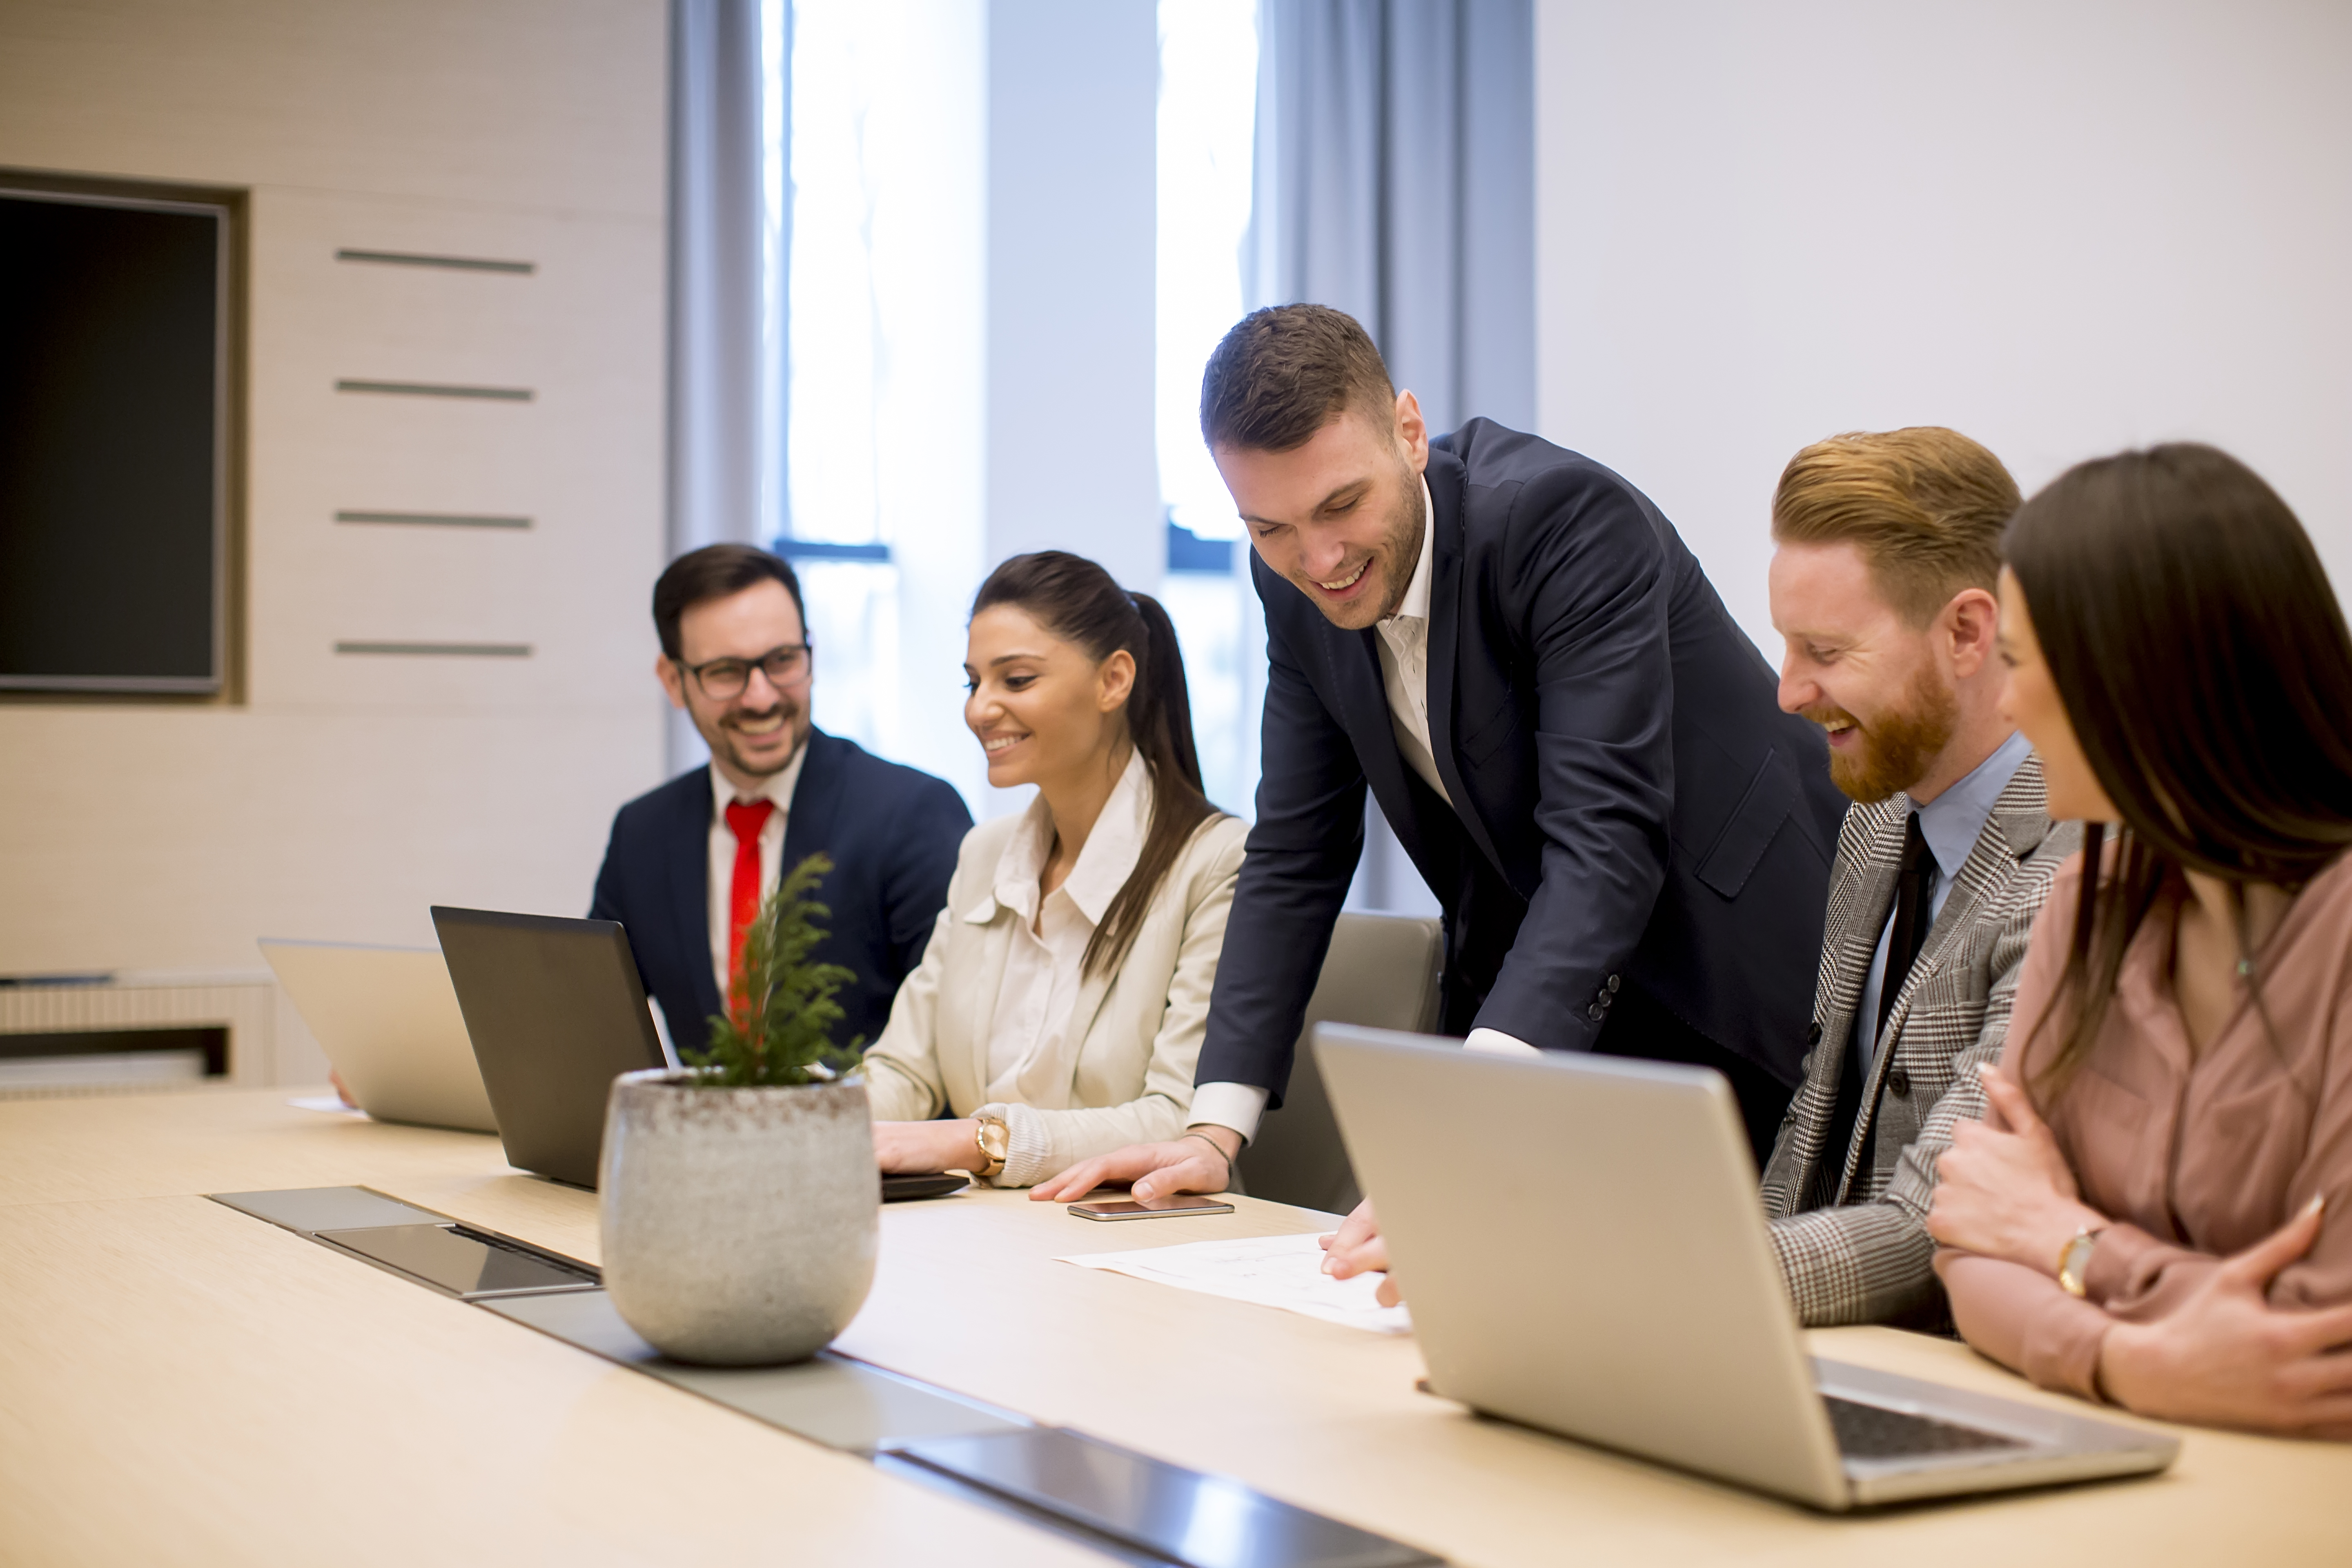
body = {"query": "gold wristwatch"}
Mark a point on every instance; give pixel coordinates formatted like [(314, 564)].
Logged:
[(994, 1142), (2074, 1258)]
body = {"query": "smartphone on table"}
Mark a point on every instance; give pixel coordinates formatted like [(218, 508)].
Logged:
[(1152, 1208)]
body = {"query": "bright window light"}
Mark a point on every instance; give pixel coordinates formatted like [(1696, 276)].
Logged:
[(1208, 121)]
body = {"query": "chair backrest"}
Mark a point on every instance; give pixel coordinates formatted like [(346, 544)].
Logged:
[(1382, 973)]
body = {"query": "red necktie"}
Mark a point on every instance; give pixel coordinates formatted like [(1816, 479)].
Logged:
[(744, 821)]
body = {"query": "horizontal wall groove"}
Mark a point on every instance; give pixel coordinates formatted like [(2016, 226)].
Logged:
[(439, 649), (454, 263), (435, 519), (438, 389)]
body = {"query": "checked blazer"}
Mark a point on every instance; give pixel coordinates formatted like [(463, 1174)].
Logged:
[(1853, 1242)]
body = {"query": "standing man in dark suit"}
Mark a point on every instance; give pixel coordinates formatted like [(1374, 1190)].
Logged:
[(690, 863), (1512, 650)]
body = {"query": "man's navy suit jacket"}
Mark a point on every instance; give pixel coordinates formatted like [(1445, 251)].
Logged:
[(892, 833), (1631, 807)]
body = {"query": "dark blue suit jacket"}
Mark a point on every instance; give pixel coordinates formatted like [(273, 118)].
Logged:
[(1628, 801), (892, 833)]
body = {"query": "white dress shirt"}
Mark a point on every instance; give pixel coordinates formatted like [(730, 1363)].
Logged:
[(1951, 824), (1039, 992), (777, 787), (1404, 647)]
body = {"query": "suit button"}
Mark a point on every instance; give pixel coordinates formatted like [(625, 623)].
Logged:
[(1813, 1034), (1612, 986), (1594, 1011), (1898, 1082)]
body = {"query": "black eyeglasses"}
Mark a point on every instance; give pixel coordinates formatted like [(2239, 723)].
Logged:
[(724, 679)]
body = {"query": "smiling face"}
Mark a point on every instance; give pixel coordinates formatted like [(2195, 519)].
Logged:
[(1042, 710), (2030, 701), (754, 734), (1341, 516), (1856, 666)]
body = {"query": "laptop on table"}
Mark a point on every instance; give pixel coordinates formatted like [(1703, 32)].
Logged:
[(1581, 1245), (390, 1024), (556, 1011)]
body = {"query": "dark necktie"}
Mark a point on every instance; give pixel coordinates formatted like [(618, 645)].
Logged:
[(1912, 918)]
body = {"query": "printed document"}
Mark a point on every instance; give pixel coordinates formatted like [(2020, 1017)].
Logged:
[(1284, 1271)]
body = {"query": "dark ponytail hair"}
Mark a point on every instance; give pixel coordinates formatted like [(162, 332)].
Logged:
[(2207, 672), (1077, 601)]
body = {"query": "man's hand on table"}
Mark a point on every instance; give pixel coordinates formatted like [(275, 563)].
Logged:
[(1358, 1247), (1200, 1162)]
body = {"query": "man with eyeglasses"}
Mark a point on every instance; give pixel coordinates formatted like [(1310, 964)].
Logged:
[(690, 863)]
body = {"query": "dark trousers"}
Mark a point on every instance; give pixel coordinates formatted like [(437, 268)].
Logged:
[(1638, 1026)]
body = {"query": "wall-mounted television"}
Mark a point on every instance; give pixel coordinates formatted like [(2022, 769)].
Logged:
[(114, 415)]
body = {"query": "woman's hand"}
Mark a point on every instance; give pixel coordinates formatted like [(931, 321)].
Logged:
[(1201, 1160), (2226, 1357), (918, 1148), (2003, 1190), (1358, 1247)]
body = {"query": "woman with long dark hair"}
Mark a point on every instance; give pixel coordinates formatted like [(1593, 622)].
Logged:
[(1059, 1010), (2157, 1211)]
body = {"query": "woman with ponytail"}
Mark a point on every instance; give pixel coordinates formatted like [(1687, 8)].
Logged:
[(1059, 1010), (2157, 1208)]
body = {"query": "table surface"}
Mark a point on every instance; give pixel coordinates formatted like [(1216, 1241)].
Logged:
[(181, 1383)]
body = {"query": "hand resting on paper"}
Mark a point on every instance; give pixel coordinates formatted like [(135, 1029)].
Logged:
[(1358, 1247)]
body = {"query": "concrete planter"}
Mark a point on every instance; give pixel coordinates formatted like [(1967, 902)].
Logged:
[(740, 1225)]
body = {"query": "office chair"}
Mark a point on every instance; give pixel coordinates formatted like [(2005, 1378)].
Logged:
[(1382, 973)]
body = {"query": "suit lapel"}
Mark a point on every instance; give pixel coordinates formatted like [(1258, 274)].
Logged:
[(816, 802), (1354, 667), (1447, 537), (2014, 830), (688, 854)]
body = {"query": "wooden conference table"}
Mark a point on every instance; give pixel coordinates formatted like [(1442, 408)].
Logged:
[(181, 1383)]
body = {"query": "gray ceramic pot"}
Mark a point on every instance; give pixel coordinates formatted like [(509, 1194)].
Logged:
[(740, 1225)]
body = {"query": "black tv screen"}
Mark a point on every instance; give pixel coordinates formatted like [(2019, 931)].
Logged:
[(113, 393)]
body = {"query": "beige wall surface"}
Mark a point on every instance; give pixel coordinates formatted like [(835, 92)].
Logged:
[(346, 793)]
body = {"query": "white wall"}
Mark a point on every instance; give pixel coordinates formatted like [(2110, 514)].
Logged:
[(1072, 91), (337, 796), (2060, 227)]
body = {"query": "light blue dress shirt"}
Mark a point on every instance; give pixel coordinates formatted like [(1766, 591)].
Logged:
[(1951, 824)]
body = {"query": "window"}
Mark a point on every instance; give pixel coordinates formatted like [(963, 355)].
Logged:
[(1208, 102)]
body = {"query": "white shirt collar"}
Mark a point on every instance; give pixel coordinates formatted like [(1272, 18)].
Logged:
[(1415, 602), (1104, 865), (777, 786)]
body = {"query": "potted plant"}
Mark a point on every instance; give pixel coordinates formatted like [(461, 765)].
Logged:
[(738, 1199)]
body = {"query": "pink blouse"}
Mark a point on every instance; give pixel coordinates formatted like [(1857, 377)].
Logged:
[(2191, 1157)]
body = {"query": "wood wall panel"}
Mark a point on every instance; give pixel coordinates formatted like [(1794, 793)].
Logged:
[(346, 794)]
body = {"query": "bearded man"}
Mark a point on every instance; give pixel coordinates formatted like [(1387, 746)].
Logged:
[(1512, 650), (1882, 583)]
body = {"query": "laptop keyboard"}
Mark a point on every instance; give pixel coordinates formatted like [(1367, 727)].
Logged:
[(1873, 1432)]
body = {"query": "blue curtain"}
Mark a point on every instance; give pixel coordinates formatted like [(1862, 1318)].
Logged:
[(1395, 181)]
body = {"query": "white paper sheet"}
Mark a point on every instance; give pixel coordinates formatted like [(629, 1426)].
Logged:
[(1285, 1271), (331, 1104)]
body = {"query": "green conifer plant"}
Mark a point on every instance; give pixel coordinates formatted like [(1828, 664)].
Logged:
[(782, 1033)]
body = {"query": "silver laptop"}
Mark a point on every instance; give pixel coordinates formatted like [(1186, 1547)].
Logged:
[(388, 1020), (1580, 1240)]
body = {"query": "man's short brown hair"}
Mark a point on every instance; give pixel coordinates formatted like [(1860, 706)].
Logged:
[(1926, 506), (1284, 373)]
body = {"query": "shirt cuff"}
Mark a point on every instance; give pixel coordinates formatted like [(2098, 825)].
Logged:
[(1494, 1042), (1029, 1145), (1235, 1105)]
